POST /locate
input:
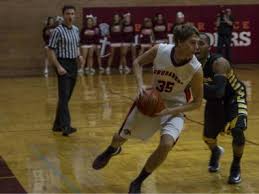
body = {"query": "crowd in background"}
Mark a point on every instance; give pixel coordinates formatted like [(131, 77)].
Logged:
[(106, 44)]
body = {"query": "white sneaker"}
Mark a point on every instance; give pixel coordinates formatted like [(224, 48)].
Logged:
[(120, 68), (92, 71), (127, 70), (101, 69), (46, 71), (108, 70), (80, 71), (87, 70)]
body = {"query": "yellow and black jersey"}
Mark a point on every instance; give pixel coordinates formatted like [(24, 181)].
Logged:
[(234, 98), (236, 90)]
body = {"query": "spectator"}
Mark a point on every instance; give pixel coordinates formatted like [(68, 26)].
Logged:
[(88, 39), (97, 43), (160, 29), (224, 24), (128, 39), (146, 35), (115, 38), (179, 19), (46, 33)]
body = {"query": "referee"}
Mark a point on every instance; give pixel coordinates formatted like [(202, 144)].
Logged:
[(64, 53)]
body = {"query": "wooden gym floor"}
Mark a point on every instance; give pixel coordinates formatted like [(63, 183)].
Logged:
[(43, 162)]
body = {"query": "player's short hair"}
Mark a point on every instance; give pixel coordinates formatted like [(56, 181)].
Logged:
[(184, 31), (207, 38), (66, 7)]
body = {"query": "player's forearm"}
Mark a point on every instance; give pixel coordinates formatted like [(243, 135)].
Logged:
[(185, 108), (138, 73), (53, 58), (216, 89)]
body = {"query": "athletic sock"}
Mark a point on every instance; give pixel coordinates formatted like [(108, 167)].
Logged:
[(236, 160), (142, 176), (111, 150)]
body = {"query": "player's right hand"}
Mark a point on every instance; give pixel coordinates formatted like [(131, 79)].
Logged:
[(142, 89), (61, 70)]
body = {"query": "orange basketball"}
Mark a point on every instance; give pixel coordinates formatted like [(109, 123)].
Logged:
[(150, 103)]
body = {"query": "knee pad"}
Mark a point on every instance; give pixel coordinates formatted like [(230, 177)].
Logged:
[(238, 136)]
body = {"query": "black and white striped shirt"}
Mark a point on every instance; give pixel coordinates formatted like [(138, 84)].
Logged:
[(65, 42)]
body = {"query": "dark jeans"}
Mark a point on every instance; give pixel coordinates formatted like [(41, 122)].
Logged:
[(224, 40), (66, 84)]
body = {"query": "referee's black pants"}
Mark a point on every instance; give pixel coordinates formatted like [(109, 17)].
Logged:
[(66, 84)]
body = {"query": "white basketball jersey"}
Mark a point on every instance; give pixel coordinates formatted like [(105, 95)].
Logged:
[(170, 80)]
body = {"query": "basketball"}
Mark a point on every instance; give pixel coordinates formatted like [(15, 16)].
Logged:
[(150, 103)]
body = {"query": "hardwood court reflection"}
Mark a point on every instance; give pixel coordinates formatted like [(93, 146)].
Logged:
[(47, 162)]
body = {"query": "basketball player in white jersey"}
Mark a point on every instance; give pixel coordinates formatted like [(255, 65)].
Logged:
[(175, 68)]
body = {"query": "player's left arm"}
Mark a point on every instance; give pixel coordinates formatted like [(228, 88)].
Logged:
[(197, 92), (216, 88)]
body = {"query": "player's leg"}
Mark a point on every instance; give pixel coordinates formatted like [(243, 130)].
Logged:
[(237, 127), (117, 141), (153, 162), (214, 122), (141, 51), (169, 135), (113, 149)]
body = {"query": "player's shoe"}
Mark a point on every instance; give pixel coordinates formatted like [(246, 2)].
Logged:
[(102, 160), (68, 130), (235, 175), (214, 159)]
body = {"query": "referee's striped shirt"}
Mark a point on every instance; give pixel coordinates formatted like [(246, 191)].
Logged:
[(65, 42)]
